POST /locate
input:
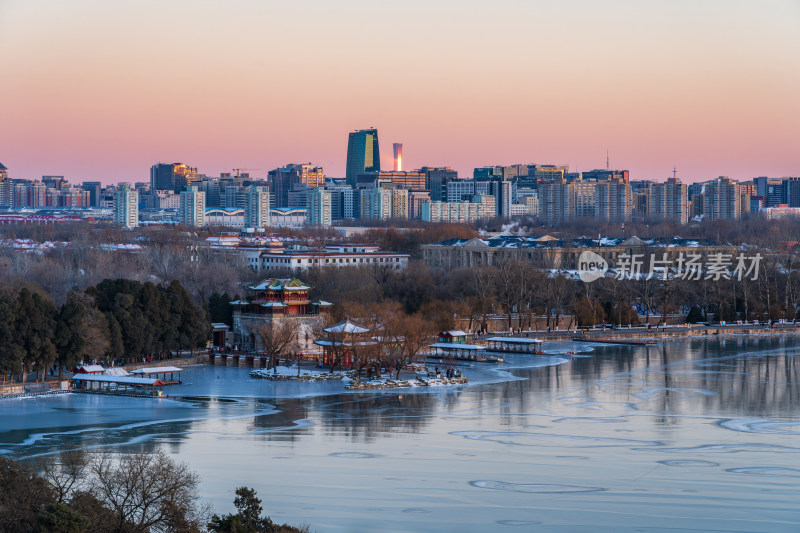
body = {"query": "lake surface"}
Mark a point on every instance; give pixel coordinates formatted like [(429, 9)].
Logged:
[(695, 435)]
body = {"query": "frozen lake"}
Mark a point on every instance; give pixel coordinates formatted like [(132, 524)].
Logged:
[(700, 435)]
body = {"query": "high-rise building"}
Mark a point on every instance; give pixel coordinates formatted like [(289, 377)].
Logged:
[(95, 188), (409, 180), (722, 200), (3, 172), (398, 157), (376, 203), (171, 176), (363, 154), (584, 192), (669, 201), (192, 210), (126, 206), (436, 180), (293, 177), (613, 201), (319, 207), (556, 201), (400, 208), (458, 191), (257, 211)]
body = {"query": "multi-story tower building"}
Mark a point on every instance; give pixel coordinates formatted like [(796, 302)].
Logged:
[(293, 177), (257, 211), (376, 203), (436, 180), (584, 192), (126, 206), (415, 201), (192, 210), (6, 192), (400, 208), (458, 191), (363, 154), (398, 157), (607, 175), (556, 201), (722, 200), (669, 201), (95, 188), (773, 190), (613, 201), (3, 172), (171, 176), (319, 207)]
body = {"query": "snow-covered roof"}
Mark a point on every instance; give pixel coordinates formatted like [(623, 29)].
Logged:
[(90, 368), (455, 333), (456, 346), (116, 371), (345, 327), (124, 380), (273, 304), (156, 370), (323, 303), (517, 340)]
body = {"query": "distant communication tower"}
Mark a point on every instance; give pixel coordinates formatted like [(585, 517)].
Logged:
[(398, 157)]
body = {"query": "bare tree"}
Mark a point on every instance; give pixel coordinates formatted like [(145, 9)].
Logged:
[(145, 491), (275, 337)]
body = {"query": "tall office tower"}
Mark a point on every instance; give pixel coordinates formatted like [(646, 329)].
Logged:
[(171, 176), (6, 193), (436, 179), (319, 207), (556, 201), (398, 157), (126, 206), (3, 172), (408, 180), (293, 177), (363, 154), (584, 192), (256, 214), (458, 191), (613, 201), (722, 200), (774, 190), (192, 211), (503, 192), (669, 201), (791, 188), (54, 182), (547, 172), (94, 188)]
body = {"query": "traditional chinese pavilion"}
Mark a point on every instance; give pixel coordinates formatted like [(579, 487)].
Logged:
[(279, 296), (341, 340), (274, 300)]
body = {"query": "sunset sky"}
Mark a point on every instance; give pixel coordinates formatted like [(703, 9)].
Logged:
[(101, 90)]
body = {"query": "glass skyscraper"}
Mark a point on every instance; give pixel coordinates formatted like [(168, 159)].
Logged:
[(363, 154)]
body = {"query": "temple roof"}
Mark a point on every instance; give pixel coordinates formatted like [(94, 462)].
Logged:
[(280, 284), (345, 327)]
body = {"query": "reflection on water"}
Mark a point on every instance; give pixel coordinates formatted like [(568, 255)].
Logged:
[(697, 435)]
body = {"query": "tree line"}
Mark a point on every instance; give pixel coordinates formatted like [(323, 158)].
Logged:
[(116, 320), (78, 492)]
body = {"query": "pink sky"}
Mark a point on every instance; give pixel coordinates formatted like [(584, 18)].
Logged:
[(102, 90)]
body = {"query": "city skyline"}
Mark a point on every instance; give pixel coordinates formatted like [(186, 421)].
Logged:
[(709, 88)]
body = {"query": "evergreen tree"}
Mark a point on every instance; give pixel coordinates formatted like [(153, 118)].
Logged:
[(69, 339), (11, 353)]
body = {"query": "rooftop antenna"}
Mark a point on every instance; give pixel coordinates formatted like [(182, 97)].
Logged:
[(674, 171), (608, 164)]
